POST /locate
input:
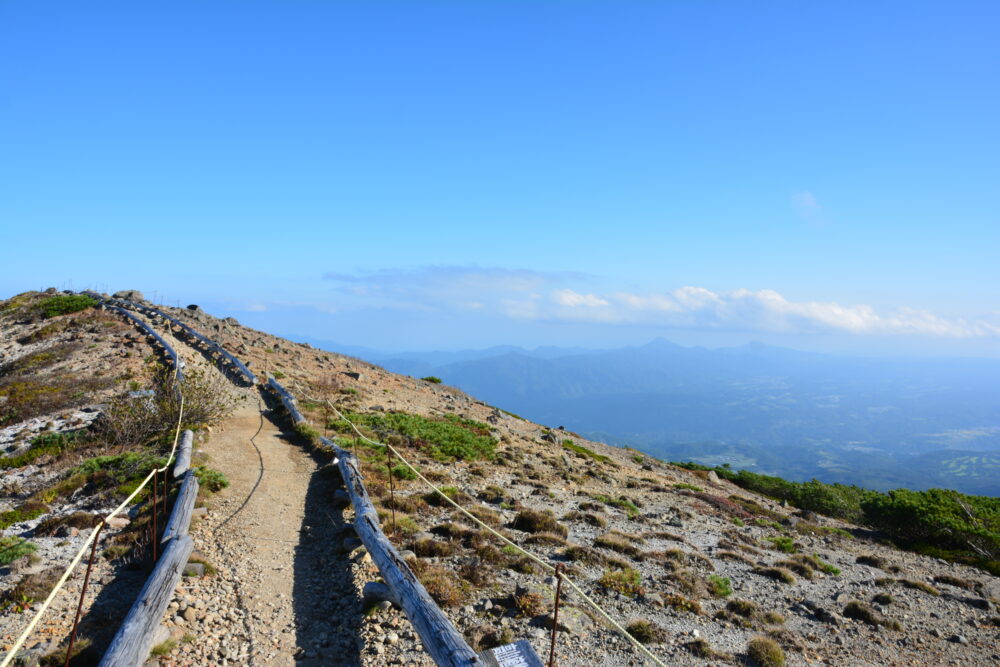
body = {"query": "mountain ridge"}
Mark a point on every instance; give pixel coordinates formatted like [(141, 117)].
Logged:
[(688, 559)]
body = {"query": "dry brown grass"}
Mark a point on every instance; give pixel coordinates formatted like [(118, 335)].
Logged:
[(536, 521)]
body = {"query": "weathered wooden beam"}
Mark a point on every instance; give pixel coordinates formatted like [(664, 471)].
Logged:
[(287, 400), (446, 646), (184, 454), (180, 517), (131, 645)]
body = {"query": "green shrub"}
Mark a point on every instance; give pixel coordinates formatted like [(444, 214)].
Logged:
[(401, 471), (121, 472), (783, 544), (936, 522), (445, 438), (689, 487), (944, 519), (626, 581), (432, 379), (308, 432), (211, 480), (814, 562), (61, 304), (646, 632), (583, 451), (718, 586), (765, 652), (13, 548)]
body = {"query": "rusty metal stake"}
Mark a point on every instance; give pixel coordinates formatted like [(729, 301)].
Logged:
[(154, 518), (392, 489), (555, 616), (83, 593)]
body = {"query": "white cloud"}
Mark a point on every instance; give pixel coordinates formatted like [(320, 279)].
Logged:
[(541, 296), (762, 310), (567, 297)]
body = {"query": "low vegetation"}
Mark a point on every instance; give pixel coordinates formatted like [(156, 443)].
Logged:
[(51, 444), (33, 385), (777, 573), (718, 586), (630, 507), (765, 652), (862, 612), (627, 581), (444, 438), (646, 632), (937, 522), (14, 548), (536, 521), (210, 480), (584, 452)]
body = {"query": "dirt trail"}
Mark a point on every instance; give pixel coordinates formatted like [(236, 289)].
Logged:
[(282, 591)]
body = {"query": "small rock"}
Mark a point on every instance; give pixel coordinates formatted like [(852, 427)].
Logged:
[(375, 591), (117, 522)]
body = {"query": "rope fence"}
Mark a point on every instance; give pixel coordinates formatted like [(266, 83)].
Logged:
[(12, 653)]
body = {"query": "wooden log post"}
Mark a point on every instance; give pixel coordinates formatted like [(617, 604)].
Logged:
[(446, 645), (180, 517), (134, 639), (184, 454)]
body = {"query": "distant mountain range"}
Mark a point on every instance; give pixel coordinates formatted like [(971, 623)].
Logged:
[(876, 422)]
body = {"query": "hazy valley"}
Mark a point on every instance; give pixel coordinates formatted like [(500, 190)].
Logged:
[(877, 422)]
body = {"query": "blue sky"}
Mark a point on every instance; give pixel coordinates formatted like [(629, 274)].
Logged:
[(452, 174)]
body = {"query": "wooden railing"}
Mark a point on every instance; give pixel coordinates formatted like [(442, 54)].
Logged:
[(190, 332), (132, 643)]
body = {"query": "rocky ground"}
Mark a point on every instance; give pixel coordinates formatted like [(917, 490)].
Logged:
[(706, 565)]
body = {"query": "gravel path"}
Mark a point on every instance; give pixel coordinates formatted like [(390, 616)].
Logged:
[(280, 588)]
